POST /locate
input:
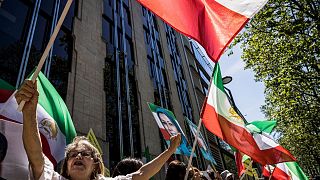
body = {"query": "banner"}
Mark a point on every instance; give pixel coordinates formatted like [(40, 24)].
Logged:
[(169, 126), (204, 148)]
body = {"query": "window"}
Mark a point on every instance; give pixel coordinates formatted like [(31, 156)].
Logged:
[(47, 6), (107, 30), (15, 20), (112, 112), (13, 26)]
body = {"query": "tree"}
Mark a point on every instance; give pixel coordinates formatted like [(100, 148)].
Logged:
[(281, 45)]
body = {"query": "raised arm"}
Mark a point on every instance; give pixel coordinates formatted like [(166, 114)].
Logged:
[(151, 168), (30, 135)]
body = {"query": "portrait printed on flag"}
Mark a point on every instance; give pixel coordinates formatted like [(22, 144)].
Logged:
[(169, 126), (201, 142), (204, 148)]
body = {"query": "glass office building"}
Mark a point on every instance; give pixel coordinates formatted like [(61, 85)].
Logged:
[(110, 58)]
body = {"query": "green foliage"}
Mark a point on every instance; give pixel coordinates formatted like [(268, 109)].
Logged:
[(281, 45)]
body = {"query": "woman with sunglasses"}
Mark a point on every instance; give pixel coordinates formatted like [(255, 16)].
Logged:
[(82, 159)]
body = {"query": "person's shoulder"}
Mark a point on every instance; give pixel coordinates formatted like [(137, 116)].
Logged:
[(127, 177)]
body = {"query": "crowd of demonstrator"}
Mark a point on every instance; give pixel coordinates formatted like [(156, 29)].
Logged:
[(84, 162)]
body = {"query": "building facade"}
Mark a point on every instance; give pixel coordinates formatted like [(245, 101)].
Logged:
[(110, 58)]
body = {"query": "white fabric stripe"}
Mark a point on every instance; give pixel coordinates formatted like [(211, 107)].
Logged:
[(244, 7), (222, 105), (264, 141), (155, 115), (16, 158), (283, 167), (57, 143), (291, 173)]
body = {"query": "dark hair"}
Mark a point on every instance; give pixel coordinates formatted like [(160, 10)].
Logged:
[(192, 172), (95, 154), (127, 166), (213, 175), (163, 111), (176, 170)]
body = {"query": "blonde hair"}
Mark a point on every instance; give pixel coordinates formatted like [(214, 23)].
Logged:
[(95, 154)]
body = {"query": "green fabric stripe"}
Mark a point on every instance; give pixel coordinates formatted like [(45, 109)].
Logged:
[(265, 126), (6, 86), (154, 108), (244, 158), (217, 78), (295, 169), (51, 101)]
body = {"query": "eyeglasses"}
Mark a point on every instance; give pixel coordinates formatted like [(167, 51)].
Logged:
[(74, 154)]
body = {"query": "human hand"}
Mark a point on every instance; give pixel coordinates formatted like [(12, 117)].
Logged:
[(175, 142), (28, 93)]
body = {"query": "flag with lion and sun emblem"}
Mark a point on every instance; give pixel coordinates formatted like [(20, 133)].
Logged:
[(220, 118)]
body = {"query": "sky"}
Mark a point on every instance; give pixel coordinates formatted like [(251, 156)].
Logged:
[(247, 93)]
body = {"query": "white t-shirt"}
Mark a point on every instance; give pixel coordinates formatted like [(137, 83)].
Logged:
[(49, 174)]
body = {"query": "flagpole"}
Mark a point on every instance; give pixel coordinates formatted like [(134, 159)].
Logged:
[(49, 45), (270, 171), (196, 136), (193, 148)]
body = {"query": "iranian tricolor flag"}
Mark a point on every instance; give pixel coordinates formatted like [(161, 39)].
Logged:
[(284, 171), (55, 125), (242, 160), (221, 119), (213, 23)]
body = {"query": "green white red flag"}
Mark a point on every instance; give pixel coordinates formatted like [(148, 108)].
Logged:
[(284, 171), (55, 126), (213, 23), (221, 119)]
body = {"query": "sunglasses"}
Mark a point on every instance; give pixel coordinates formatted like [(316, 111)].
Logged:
[(86, 154)]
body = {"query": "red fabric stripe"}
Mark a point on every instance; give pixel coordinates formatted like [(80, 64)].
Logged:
[(265, 171), (240, 166), (211, 24), (165, 134), (4, 95), (241, 139), (8, 119), (278, 174), (45, 145), (46, 149)]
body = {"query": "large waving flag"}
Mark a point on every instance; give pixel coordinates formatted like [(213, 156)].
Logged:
[(284, 171), (213, 23), (55, 125), (242, 160), (169, 126), (204, 148), (221, 119)]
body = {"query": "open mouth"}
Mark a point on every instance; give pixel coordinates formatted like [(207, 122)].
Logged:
[(78, 163)]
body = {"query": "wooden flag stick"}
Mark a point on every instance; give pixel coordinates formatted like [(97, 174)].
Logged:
[(49, 45), (193, 149), (271, 172)]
